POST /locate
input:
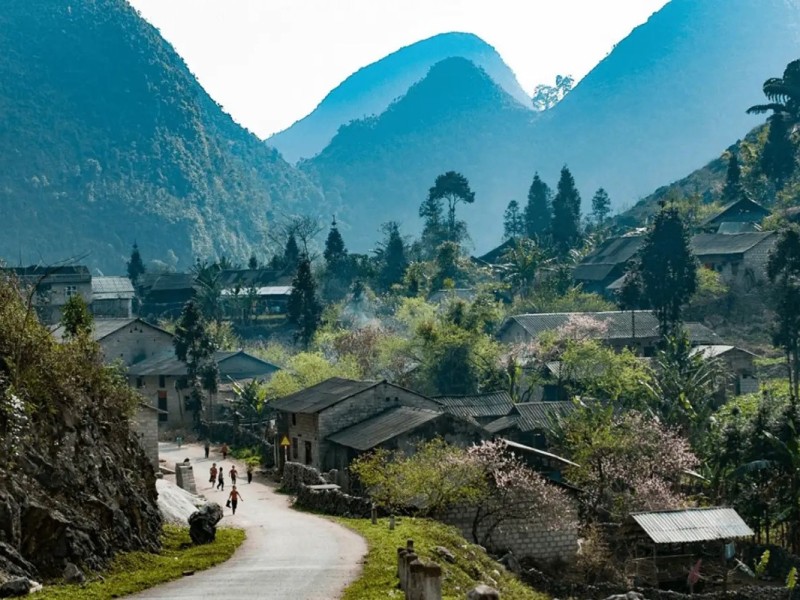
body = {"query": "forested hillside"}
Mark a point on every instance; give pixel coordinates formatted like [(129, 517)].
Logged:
[(106, 138)]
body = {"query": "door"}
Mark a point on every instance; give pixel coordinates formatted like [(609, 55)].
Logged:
[(309, 458)]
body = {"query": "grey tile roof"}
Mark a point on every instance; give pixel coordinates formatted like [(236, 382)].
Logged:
[(715, 244), (173, 281), (62, 274), (321, 396), (111, 288), (743, 210), (692, 525), (619, 325), (530, 416), (383, 427), (599, 264), (169, 365), (492, 404)]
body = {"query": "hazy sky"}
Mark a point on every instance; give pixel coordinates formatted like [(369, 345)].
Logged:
[(270, 62)]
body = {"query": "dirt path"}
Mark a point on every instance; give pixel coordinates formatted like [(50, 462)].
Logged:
[(288, 555)]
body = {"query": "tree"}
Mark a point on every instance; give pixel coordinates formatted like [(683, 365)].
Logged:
[(537, 210), (338, 271), (393, 257), (547, 96), (513, 221), (135, 265), (783, 270), (208, 278), (304, 310), (565, 226), (777, 158), (668, 268), (448, 266), (253, 262), (291, 254), (522, 265), (454, 188), (601, 206), (76, 318), (732, 191), (195, 347), (783, 94)]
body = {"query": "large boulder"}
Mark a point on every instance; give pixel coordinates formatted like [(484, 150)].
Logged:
[(203, 523), (20, 586)]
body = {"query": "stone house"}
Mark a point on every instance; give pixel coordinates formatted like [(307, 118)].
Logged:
[(483, 408), (739, 363), (528, 422), (164, 294), (636, 330), (737, 217), (53, 287), (606, 264), (308, 418), (739, 258), (161, 380), (112, 297)]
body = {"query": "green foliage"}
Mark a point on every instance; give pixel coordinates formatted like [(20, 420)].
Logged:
[(306, 369), (601, 206), (378, 580), (791, 579), (195, 347), (565, 227), (304, 310), (133, 572), (453, 188), (668, 268), (135, 265), (392, 257), (522, 266), (513, 221), (338, 266), (761, 565), (573, 300), (76, 318), (733, 180), (538, 213), (783, 270)]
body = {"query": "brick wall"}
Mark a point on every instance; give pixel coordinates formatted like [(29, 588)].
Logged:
[(145, 425), (304, 429), (526, 539), (135, 343)]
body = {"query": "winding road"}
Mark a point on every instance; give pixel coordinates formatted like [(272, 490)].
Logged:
[(288, 555)]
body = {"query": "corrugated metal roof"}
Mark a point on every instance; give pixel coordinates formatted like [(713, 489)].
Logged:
[(692, 525), (270, 290), (321, 396), (383, 427), (111, 288), (493, 404), (540, 453)]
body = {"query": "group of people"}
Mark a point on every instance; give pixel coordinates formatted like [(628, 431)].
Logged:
[(217, 478)]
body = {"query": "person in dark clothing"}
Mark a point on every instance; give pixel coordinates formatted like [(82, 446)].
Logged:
[(207, 448), (249, 473), (221, 479), (234, 498), (233, 475), (213, 472)]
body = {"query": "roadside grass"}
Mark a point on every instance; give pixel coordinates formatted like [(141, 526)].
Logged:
[(472, 565), (133, 572)]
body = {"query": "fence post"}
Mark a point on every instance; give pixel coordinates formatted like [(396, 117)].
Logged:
[(432, 588), (483, 592), (401, 567), (416, 581)]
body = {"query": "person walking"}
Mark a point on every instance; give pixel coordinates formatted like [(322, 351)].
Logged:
[(221, 479), (233, 498), (249, 473), (233, 474), (224, 451), (207, 448), (213, 472)]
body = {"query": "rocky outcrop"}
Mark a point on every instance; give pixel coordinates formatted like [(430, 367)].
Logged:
[(75, 486), (203, 523)]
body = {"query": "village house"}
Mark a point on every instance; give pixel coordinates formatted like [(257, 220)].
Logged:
[(738, 363), (164, 294), (161, 380), (740, 259), (635, 330), (112, 298), (52, 287), (528, 422), (742, 216), (607, 263), (483, 408)]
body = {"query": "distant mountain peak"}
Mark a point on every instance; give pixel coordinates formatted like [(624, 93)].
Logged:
[(372, 89)]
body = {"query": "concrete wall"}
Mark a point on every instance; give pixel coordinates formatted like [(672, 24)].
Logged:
[(52, 296), (145, 425), (526, 539), (112, 308), (136, 342)]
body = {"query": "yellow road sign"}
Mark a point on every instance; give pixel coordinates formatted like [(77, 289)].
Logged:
[(285, 441)]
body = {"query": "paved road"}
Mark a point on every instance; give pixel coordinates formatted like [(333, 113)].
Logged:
[(288, 555)]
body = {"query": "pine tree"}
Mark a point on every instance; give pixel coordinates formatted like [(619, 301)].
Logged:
[(253, 262), (538, 212), (304, 310), (513, 221), (777, 157), (394, 257), (601, 206), (135, 265), (195, 347), (565, 227), (291, 254), (733, 181), (335, 252), (668, 268)]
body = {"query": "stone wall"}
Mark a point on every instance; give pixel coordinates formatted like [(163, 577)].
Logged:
[(525, 539), (295, 476), (145, 425), (332, 502)]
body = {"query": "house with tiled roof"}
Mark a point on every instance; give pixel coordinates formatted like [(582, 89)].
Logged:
[(607, 263), (745, 213), (52, 287), (484, 407), (112, 297), (740, 258), (528, 422)]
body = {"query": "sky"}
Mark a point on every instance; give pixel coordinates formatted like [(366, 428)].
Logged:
[(270, 62)]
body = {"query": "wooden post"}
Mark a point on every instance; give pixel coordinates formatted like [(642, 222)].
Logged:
[(483, 592)]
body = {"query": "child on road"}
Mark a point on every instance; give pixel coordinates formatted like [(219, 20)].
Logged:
[(234, 498), (221, 479), (213, 472), (233, 474)]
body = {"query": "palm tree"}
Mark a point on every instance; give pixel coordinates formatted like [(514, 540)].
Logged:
[(783, 94), (522, 265)]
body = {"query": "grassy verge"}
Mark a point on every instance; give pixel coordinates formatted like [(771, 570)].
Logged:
[(136, 571), (472, 565)]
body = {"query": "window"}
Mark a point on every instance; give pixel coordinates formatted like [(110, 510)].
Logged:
[(70, 290), (162, 381), (162, 406), (139, 382), (308, 453), (294, 418), (295, 450)]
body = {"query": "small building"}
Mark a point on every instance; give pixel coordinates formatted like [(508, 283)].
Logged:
[(665, 544), (607, 263), (740, 258), (483, 408), (739, 363), (269, 299), (636, 330), (307, 418), (165, 294), (53, 287), (739, 216), (112, 297), (161, 380), (528, 422)]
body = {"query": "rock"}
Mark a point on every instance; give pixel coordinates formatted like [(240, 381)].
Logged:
[(72, 574), (13, 564), (445, 554), (16, 587), (511, 563), (628, 596), (483, 592), (203, 523)]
